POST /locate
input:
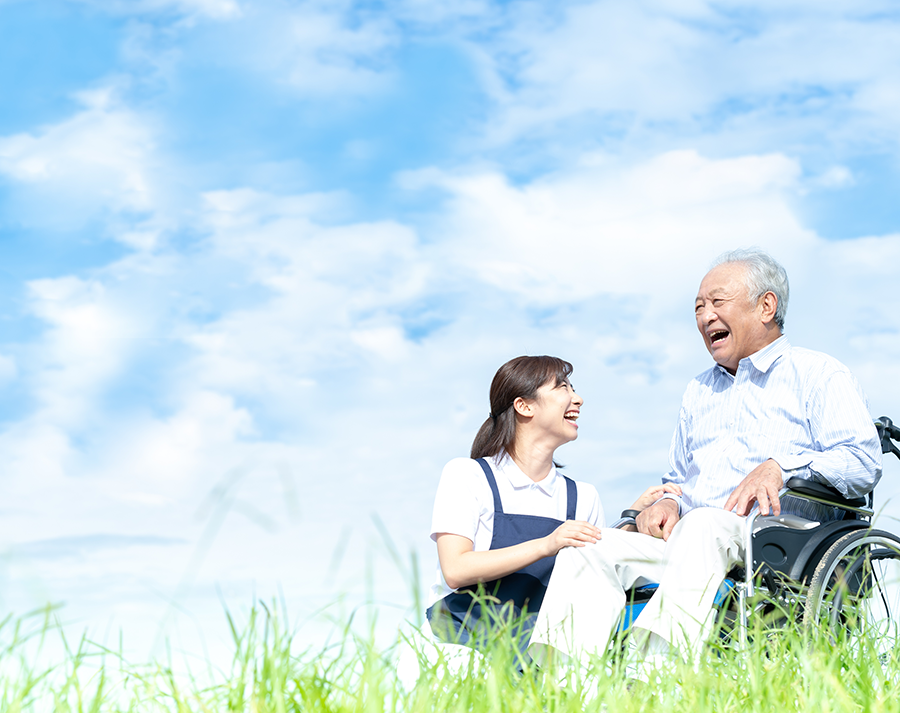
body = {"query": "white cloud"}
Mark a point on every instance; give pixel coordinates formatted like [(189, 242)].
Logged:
[(314, 49), (83, 349), (325, 55), (216, 9), (101, 159), (446, 13), (581, 233), (652, 73), (835, 177), (172, 452), (332, 292), (189, 9)]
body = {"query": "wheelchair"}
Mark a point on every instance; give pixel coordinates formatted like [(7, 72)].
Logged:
[(842, 574)]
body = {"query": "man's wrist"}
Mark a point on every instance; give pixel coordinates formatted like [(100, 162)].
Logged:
[(793, 464), (787, 472), (674, 498)]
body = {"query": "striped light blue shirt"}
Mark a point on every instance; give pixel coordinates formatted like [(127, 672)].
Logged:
[(801, 408)]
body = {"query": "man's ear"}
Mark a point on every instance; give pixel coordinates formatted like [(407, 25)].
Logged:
[(523, 407), (768, 306)]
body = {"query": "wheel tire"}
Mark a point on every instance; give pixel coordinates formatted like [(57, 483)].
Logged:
[(856, 588)]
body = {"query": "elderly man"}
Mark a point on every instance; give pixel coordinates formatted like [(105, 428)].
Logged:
[(766, 412)]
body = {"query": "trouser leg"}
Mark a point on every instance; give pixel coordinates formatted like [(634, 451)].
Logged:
[(586, 593), (703, 546)]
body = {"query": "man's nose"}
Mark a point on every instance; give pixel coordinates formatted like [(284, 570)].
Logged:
[(705, 316)]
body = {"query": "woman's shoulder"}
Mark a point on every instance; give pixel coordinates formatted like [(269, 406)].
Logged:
[(462, 468), (586, 489), (463, 476), (590, 507)]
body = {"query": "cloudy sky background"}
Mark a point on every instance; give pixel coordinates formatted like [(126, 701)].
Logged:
[(260, 261)]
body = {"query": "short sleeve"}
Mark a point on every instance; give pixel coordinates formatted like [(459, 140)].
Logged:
[(589, 509), (463, 498)]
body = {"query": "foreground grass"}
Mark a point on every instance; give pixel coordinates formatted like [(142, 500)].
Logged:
[(787, 672)]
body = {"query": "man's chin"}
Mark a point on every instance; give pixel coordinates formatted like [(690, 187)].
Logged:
[(722, 359), (727, 365)]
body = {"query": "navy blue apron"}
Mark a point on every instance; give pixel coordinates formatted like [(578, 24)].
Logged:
[(460, 618)]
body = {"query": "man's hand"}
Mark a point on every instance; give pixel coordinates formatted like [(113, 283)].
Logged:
[(761, 485), (659, 519)]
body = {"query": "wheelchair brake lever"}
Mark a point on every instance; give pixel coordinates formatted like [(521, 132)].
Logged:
[(888, 433)]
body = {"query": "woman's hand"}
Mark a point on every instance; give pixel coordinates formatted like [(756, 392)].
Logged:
[(572, 533), (462, 566), (654, 493)]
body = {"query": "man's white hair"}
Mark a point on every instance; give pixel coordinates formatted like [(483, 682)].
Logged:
[(763, 274)]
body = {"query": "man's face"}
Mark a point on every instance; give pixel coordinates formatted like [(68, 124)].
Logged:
[(732, 325)]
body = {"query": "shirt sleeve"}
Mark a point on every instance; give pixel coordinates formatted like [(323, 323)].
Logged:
[(590, 509), (678, 458), (846, 451), (460, 500)]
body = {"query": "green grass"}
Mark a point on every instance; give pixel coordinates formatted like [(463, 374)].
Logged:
[(789, 671)]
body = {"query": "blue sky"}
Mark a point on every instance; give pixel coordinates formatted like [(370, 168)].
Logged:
[(261, 259)]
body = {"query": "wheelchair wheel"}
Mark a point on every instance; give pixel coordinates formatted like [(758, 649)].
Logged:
[(856, 588)]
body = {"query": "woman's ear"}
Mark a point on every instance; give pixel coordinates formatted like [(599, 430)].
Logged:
[(523, 407)]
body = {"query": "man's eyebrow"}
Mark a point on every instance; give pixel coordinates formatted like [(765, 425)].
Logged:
[(718, 291)]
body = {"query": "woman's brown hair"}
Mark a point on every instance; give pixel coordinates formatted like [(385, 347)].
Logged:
[(519, 377)]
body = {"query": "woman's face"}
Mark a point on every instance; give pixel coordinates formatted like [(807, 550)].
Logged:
[(556, 410)]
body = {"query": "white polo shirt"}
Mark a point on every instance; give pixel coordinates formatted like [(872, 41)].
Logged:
[(464, 504)]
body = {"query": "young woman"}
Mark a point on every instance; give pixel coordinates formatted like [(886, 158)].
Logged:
[(501, 516)]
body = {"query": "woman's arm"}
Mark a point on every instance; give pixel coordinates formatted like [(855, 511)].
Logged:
[(462, 566)]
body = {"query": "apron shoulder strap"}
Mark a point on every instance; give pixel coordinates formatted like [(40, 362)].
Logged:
[(489, 474), (571, 498)]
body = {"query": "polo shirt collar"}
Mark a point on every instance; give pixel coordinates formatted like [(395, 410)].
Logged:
[(518, 479)]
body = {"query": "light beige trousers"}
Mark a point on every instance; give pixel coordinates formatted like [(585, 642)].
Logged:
[(586, 594)]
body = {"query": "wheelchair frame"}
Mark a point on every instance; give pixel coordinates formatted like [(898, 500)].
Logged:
[(800, 562)]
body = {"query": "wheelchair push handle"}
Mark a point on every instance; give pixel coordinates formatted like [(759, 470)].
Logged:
[(888, 433)]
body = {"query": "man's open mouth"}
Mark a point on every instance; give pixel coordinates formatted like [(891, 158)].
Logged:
[(717, 336)]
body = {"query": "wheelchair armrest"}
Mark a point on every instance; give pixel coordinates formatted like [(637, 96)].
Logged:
[(628, 518), (623, 522), (826, 492)]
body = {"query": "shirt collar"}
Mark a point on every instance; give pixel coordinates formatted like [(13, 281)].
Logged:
[(769, 354), (507, 466), (763, 359)]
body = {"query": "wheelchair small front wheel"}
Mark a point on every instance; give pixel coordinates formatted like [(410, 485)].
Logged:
[(856, 589)]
